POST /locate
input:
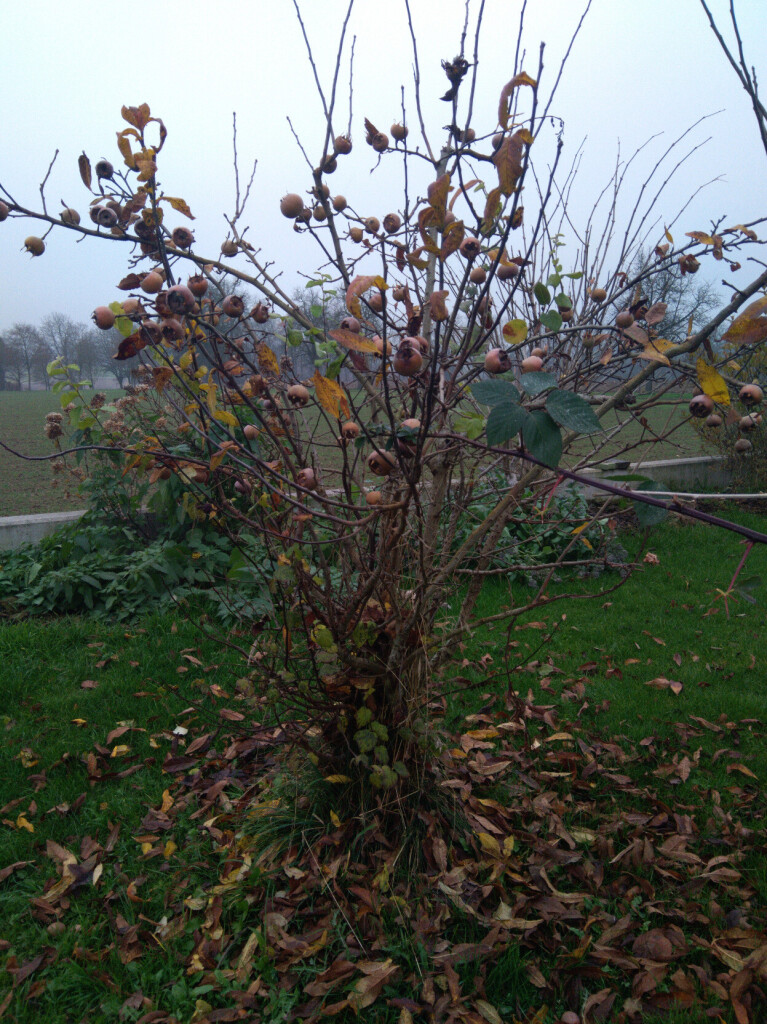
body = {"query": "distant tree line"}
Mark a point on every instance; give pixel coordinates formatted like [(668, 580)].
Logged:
[(27, 349)]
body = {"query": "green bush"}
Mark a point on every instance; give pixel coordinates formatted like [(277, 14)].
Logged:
[(97, 567)]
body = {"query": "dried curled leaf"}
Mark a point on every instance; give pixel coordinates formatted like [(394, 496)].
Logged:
[(508, 161), (123, 144), (438, 193), (493, 207), (655, 313), (700, 236), (146, 164), (131, 346), (137, 116), (85, 169), (358, 287), (437, 306), (452, 238), (503, 104)]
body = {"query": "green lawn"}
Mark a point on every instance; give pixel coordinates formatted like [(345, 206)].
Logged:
[(130, 882), (28, 487)]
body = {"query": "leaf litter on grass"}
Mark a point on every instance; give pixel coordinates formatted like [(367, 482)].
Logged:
[(611, 869)]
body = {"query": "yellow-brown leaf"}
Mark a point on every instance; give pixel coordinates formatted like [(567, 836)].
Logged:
[(503, 105), (750, 328), (654, 350), (180, 206), (358, 287), (351, 340), (267, 360), (330, 395)]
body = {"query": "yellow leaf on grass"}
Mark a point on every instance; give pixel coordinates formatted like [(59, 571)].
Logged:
[(331, 396), (337, 778), (170, 849), (712, 382), (488, 1011), (167, 801), (120, 750), (21, 822), (489, 844)]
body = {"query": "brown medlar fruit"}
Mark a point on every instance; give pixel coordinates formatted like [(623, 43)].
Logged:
[(180, 299), (701, 406), (182, 237), (103, 317), (233, 306), (291, 205)]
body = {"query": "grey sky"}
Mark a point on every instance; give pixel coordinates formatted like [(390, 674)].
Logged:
[(638, 68)]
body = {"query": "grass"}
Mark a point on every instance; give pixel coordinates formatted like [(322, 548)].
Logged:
[(668, 622), (29, 488), (61, 783)]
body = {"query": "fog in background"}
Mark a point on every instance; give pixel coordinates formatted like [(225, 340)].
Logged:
[(636, 70)]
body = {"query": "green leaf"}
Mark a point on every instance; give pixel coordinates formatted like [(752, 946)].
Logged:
[(365, 740), (649, 515), (573, 412), (493, 392), (563, 301), (554, 281), (542, 293), (551, 320), (363, 717), (575, 276), (316, 310), (471, 424), (294, 338), (535, 383), (542, 438), (505, 421)]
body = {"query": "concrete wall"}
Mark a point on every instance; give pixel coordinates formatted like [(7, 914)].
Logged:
[(18, 530)]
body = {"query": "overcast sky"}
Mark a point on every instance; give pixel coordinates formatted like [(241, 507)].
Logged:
[(637, 69)]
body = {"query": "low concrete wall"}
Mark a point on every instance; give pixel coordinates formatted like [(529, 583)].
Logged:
[(701, 473), (18, 530)]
